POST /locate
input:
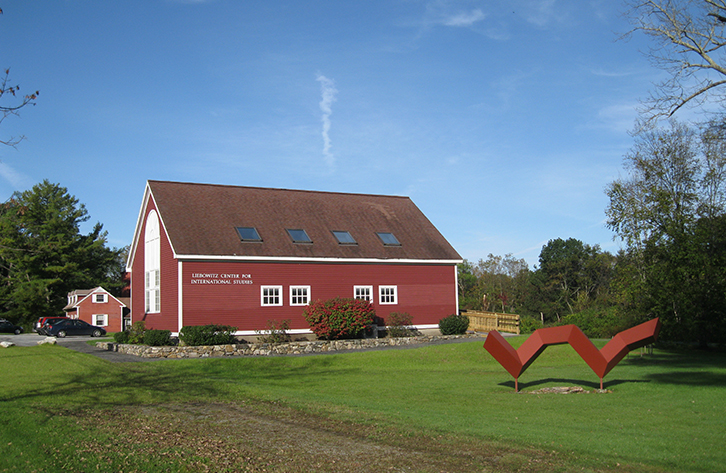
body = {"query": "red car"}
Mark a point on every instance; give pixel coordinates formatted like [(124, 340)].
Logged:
[(39, 325)]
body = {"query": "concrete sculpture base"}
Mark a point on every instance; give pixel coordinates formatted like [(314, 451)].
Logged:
[(600, 361)]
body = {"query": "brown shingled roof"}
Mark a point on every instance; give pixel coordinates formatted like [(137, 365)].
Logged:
[(201, 219)]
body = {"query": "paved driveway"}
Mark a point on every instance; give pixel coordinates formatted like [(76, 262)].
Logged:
[(73, 343)]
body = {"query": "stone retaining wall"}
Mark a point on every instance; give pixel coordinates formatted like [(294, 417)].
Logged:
[(268, 349)]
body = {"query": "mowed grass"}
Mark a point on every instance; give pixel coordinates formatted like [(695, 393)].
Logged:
[(665, 412)]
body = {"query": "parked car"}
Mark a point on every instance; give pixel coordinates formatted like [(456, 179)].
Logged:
[(49, 321), (73, 327), (7, 326), (41, 321)]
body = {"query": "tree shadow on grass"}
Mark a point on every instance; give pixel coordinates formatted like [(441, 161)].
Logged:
[(79, 379), (118, 387), (683, 367), (690, 378), (677, 358)]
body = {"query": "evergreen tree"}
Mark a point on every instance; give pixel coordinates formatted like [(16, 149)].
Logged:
[(43, 255)]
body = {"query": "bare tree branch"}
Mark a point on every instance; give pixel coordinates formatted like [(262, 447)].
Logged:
[(6, 88), (13, 91), (689, 40)]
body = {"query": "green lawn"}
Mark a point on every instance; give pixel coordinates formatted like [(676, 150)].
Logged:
[(666, 412)]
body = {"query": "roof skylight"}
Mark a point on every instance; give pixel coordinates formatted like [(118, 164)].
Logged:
[(388, 239), (248, 234), (298, 235), (344, 238)]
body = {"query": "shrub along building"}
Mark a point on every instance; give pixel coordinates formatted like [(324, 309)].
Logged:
[(245, 256)]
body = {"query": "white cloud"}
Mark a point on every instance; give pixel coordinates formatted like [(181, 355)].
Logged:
[(16, 179), (328, 91), (464, 19), (543, 12)]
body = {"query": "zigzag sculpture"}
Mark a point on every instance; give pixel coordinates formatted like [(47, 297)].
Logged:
[(600, 361)]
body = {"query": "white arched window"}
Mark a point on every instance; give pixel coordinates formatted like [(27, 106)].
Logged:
[(152, 263)]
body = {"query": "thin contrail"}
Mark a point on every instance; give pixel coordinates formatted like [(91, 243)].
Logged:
[(327, 87)]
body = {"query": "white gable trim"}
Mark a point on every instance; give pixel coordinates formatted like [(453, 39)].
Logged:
[(97, 290), (141, 220)]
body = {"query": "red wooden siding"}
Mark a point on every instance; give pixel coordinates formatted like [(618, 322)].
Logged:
[(427, 292), (113, 309)]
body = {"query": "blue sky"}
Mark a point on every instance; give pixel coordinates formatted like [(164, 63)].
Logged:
[(503, 121)]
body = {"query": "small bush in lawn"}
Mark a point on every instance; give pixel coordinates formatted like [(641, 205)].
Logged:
[(213, 334), (454, 325), (276, 332), (399, 325), (157, 338), (339, 318)]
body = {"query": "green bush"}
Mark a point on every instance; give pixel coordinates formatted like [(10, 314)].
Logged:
[(213, 334), (599, 322), (276, 332), (528, 324), (454, 324), (399, 325), (121, 337), (157, 338), (339, 318), (132, 335), (136, 332)]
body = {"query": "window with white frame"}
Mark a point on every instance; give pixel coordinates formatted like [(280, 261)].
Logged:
[(100, 298), (299, 295), (152, 263), (271, 295), (388, 294), (100, 320), (363, 292)]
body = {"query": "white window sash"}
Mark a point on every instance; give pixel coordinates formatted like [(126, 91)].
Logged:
[(388, 295), (363, 292), (271, 296), (299, 295)]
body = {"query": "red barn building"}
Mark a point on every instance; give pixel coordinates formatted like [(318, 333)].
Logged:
[(243, 256)]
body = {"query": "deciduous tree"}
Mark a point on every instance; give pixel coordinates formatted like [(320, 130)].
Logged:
[(571, 277), (669, 211)]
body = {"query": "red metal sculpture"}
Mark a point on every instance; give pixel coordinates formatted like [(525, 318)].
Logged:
[(600, 361)]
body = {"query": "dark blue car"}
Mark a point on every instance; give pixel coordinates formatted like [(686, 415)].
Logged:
[(8, 327), (73, 327)]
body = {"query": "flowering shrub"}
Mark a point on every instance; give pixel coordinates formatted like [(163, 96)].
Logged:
[(339, 318)]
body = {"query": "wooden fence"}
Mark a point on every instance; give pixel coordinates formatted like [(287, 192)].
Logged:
[(488, 321)]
